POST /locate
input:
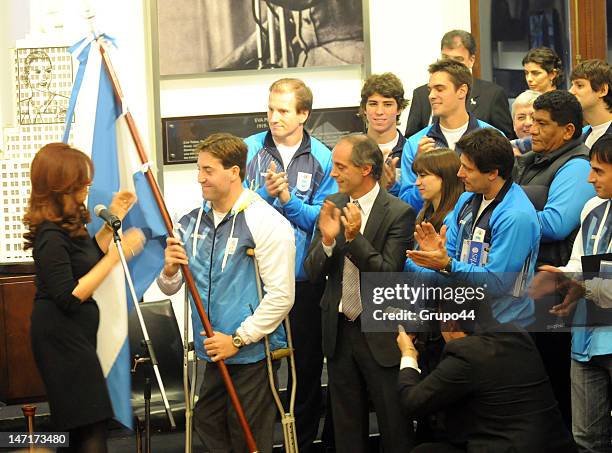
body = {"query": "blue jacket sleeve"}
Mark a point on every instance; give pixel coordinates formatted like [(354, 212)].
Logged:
[(254, 144), (522, 144), (567, 196), (263, 193), (410, 266), (303, 214), (408, 191), (395, 189)]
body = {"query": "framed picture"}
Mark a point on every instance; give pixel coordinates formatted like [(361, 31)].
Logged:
[(181, 135), (44, 82), (225, 35)]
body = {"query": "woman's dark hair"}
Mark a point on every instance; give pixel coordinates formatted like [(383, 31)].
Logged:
[(548, 60), (444, 163), (57, 173)]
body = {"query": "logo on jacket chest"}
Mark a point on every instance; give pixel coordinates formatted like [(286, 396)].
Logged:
[(303, 181)]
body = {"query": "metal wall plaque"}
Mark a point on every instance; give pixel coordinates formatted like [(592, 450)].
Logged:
[(181, 135)]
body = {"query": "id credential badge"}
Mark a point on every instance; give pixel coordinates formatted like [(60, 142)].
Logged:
[(475, 251), (303, 181), (232, 243)]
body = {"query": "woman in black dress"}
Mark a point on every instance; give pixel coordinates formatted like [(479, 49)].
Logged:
[(70, 265)]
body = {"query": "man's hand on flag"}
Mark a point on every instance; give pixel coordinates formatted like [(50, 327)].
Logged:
[(174, 256), (219, 346)]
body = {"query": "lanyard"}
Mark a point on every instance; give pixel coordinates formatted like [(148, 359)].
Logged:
[(599, 231)]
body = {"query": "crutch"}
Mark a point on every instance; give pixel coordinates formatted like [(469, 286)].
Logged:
[(189, 385), (287, 418)]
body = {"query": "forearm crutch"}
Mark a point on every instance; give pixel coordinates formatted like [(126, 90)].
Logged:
[(189, 385), (287, 418)]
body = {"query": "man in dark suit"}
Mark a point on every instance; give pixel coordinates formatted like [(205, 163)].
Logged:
[(488, 101), (361, 229), (490, 385)]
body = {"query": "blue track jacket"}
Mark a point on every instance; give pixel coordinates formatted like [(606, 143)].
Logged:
[(309, 183), (514, 234), (225, 274)]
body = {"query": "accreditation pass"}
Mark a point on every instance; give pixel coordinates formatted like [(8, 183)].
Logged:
[(19, 439)]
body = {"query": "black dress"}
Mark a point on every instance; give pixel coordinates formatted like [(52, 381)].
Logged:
[(64, 330)]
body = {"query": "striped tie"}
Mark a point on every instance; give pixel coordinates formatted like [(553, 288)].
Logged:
[(351, 293)]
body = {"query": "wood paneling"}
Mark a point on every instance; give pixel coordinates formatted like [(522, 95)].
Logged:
[(588, 29), (19, 377), (588, 34), (475, 31)]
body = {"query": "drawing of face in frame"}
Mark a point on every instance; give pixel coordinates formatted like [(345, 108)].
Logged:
[(39, 103)]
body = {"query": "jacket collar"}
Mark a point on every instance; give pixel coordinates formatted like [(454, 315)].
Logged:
[(589, 129), (246, 198), (546, 158), (399, 146), (378, 211), (270, 146), (435, 131)]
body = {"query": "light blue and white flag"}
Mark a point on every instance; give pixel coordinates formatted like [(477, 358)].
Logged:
[(100, 130)]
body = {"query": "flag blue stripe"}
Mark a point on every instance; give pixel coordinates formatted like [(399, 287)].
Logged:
[(146, 216), (105, 183), (104, 151), (116, 384)]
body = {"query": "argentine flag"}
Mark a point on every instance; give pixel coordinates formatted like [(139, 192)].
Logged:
[(100, 130)]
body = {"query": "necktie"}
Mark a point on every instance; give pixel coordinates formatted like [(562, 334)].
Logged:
[(351, 293)]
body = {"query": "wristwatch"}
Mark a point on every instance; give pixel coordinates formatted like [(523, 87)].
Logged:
[(449, 266), (237, 341)]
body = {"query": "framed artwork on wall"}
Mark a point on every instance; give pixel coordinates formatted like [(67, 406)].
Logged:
[(44, 83), (204, 36)]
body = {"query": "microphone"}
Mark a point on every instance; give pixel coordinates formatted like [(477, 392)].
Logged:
[(111, 219)]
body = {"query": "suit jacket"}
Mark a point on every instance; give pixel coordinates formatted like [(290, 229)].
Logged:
[(488, 102), (494, 392), (381, 248)]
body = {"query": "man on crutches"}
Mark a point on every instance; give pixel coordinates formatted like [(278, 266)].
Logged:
[(213, 241)]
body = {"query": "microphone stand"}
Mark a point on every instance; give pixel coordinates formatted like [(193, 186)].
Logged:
[(147, 341)]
